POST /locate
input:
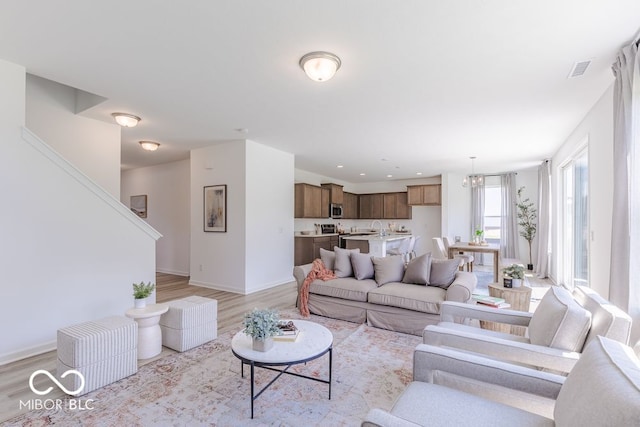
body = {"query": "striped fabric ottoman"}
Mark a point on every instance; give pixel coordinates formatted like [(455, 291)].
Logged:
[(189, 322), (103, 351)]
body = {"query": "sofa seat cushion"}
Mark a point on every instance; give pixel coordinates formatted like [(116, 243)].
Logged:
[(426, 299), (346, 288), (435, 405)]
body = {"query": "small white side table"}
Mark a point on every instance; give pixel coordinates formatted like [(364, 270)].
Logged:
[(149, 332)]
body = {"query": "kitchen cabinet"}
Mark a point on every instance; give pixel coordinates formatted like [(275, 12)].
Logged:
[(424, 195), (395, 206), (307, 248), (350, 206), (336, 195), (311, 201), (370, 206)]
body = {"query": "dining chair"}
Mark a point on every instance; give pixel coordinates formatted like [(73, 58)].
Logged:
[(468, 258), (439, 251)]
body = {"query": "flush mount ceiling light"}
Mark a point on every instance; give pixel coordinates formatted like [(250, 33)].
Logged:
[(149, 145), (473, 179), (320, 66), (126, 120)]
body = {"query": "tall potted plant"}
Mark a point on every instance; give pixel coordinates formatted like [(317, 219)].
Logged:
[(527, 215)]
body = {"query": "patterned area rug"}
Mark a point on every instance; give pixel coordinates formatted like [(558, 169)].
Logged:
[(203, 386)]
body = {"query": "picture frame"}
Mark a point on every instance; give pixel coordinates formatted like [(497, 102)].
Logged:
[(215, 208), (139, 205)]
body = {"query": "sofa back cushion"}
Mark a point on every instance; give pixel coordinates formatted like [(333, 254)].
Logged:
[(343, 261), (362, 266), (602, 389), (443, 272), (328, 258), (418, 270), (559, 321), (388, 269)]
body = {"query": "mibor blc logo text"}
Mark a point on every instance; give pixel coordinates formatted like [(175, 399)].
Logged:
[(57, 404)]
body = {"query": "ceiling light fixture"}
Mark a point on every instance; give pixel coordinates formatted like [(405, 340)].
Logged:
[(320, 66), (149, 145), (473, 179), (126, 120)]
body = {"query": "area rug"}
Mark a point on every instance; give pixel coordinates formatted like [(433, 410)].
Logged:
[(203, 386)]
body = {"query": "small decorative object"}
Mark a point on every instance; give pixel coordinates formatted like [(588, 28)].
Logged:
[(527, 220), (139, 205), (140, 292), (215, 208), (477, 238), (515, 274), (262, 326)]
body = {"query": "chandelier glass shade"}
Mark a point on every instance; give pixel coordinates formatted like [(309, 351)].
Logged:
[(472, 180)]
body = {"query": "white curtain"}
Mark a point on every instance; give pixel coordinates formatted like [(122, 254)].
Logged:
[(509, 222), (477, 212), (624, 290), (544, 219)]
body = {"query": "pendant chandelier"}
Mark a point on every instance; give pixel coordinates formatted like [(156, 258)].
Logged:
[(472, 180)]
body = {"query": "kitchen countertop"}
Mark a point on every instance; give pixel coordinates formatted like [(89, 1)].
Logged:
[(316, 235), (375, 237)]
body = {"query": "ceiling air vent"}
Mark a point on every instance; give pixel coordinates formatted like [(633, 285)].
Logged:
[(579, 68)]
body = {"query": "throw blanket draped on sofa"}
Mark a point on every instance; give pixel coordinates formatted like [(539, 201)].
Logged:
[(318, 271)]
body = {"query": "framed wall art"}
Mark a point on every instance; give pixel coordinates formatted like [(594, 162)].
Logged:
[(215, 208), (139, 205)]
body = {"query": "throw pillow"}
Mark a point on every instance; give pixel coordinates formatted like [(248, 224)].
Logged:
[(388, 269), (418, 270), (443, 272), (559, 321), (343, 261), (328, 258), (362, 266)]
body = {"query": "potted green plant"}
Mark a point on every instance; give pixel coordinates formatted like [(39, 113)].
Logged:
[(261, 325), (527, 221), (478, 235), (513, 275), (140, 292)]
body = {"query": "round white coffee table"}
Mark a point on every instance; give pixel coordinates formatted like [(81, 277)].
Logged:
[(149, 332), (313, 342)]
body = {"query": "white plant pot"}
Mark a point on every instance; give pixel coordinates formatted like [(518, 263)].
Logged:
[(516, 283), (262, 345), (140, 303)]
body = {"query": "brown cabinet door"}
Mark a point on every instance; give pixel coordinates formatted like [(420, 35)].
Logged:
[(403, 210), (336, 194), (320, 242), (324, 206), (364, 202), (389, 209), (303, 250), (311, 201), (350, 206), (376, 206), (431, 195), (414, 195)]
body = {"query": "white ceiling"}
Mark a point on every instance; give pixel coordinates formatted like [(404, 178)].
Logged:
[(424, 84)]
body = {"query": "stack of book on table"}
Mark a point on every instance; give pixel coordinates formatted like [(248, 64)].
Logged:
[(288, 332), (489, 301)]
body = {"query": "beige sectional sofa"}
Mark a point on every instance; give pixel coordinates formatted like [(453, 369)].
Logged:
[(385, 301)]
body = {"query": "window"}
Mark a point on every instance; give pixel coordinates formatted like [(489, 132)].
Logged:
[(492, 209), (574, 241)]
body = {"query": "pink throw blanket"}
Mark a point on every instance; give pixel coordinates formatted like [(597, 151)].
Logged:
[(318, 271)]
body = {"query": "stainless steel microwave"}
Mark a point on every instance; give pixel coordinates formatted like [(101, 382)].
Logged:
[(335, 210)]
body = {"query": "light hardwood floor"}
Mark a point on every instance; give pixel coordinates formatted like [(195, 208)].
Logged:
[(14, 377)]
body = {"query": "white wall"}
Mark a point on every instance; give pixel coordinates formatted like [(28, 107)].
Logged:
[(597, 129), (68, 256), (168, 207), (256, 252), (92, 146)]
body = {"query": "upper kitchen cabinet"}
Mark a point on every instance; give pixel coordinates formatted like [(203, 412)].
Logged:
[(370, 206), (311, 201), (424, 195), (395, 206), (336, 195), (350, 206)]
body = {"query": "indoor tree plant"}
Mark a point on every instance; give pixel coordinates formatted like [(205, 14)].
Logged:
[(140, 292), (261, 325), (527, 221)]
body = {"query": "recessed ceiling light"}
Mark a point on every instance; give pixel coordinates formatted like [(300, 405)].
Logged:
[(340, 166), (389, 176), (242, 130), (362, 174), (418, 173)]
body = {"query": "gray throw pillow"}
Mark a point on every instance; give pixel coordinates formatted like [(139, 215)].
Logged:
[(388, 269), (362, 266), (418, 270), (443, 272), (328, 258), (343, 261)]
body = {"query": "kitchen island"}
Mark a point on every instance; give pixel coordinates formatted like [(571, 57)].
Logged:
[(375, 245)]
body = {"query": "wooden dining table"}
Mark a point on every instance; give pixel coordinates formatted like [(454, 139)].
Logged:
[(488, 248)]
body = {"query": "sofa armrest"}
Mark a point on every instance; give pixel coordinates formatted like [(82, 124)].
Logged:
[(450, 310), (379, 418), (502, 349), (300, 273), (462, 287)]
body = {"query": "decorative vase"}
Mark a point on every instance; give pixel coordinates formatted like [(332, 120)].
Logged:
[(516, 283), (139, 302), (262, 345)]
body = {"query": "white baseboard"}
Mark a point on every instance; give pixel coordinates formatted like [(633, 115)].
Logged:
[(27, 352), (174, 272), (218, 287)]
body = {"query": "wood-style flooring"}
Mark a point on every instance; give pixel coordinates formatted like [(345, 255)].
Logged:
[(14, 377)]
